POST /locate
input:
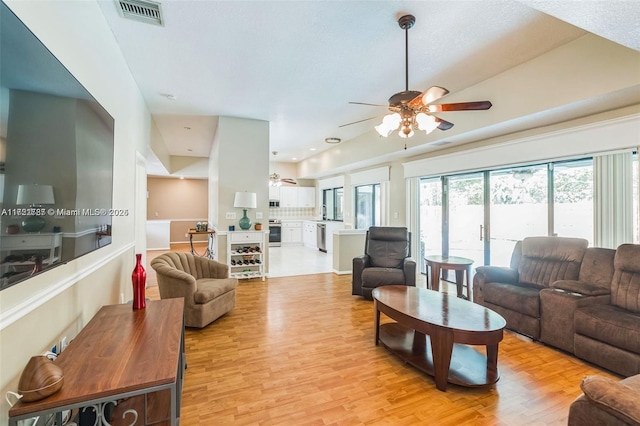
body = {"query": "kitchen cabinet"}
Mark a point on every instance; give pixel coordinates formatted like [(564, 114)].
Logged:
[(331, 228), (306, 196), (291, 196), (310, 234), (245, 254), (292, 233), (288, 196), (274, 193)]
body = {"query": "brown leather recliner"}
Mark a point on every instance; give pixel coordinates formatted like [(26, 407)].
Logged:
[(386, 261)]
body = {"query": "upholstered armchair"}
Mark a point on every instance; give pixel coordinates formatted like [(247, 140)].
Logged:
[(205, 285), (386, 261), (607, 402)]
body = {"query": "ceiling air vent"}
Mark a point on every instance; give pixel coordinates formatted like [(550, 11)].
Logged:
[(141, 10)]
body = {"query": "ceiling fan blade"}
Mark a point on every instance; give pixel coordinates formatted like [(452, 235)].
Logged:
[(364, 103), (461, 106), (290, 181), (443, 124), (428, 96), (359, 121)]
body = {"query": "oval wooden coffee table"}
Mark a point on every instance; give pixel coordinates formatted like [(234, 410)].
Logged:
[(433, 332)]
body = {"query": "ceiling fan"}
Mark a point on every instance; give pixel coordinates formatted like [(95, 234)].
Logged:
[(275, 179), (412, 110)]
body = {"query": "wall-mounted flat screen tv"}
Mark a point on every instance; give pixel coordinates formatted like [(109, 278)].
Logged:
[(56, 159)]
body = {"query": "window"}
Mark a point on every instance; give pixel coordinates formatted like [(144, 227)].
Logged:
[(367, 204), (430, 219), (332, 203), (518, 201), (573, 199)]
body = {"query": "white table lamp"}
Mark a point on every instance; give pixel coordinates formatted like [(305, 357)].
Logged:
[(245, 200)]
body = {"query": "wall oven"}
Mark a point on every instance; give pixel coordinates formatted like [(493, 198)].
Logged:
[(275, 233)]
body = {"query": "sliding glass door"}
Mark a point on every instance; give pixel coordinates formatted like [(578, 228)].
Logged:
[(573, 199), (464, 222), (482, 215), (518, 208), (430, 219)]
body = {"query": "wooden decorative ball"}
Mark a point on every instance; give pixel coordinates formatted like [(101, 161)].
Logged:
[(40, 379)]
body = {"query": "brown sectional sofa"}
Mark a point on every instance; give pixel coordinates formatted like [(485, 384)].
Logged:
[(583, 300)]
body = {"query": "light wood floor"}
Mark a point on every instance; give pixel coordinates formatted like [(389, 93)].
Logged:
[(300, 351)]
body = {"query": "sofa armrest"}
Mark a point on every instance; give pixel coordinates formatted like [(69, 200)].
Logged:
[(616, 398), (409, 267), (497, 274), (358, 265), (487, 274), (580, 287)]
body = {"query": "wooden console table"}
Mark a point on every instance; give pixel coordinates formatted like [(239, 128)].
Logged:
[(121, 353)]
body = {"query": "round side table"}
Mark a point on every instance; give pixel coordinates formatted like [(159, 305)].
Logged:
[(454, 263)]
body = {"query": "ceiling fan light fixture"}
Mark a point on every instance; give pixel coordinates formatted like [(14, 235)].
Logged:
[(412, 110), (426, 123), (389, 123), (406, 132), (274, 180)]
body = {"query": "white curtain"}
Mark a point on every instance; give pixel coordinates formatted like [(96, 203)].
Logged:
[(613, 199)]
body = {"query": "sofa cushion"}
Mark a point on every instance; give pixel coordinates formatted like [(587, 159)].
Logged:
[(597, 266), (625, 286), (516, 297), (548, 259), (609, 324), (619, 398), (375, 277), (211, 288)]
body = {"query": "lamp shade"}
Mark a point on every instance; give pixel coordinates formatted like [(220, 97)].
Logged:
[(245, 200), (33, 194)]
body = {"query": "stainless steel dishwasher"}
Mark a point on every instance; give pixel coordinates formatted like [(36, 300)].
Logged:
[(322, 237)]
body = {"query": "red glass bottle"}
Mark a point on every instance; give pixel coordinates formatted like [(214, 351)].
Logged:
[(139, 278)]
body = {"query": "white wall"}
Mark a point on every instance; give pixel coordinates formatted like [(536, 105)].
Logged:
[(35, 314)]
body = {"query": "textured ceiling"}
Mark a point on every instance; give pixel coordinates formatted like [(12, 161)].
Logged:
[(297, 64)]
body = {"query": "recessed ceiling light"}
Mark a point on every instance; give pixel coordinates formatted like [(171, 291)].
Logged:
[(333, 140), (312, 149), (294, 158)]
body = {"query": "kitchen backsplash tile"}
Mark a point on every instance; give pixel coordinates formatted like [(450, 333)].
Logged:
[(290, 212)]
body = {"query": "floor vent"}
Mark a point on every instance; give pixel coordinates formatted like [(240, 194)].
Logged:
[(141, 10)]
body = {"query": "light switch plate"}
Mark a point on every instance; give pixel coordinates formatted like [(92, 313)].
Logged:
[(230, 215), (258, 215)]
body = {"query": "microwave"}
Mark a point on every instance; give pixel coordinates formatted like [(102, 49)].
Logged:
[(274, 203)]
